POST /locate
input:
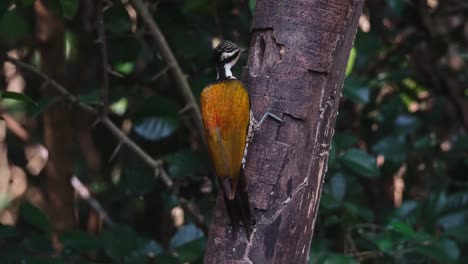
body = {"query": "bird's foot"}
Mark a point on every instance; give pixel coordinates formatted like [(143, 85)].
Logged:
[(267, 114)]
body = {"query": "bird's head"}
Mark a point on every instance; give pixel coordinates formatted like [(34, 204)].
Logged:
[(226, 55)]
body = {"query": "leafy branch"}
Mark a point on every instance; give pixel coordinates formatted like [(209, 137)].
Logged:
[(104, 56), (156, 165), (172, 64)]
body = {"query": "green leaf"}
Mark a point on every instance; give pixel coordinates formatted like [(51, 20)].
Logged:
[(116, 19), (407, 209), (319, 246), (72, 49), (191, 251), (35, 217), (38, 243), (450, 248), (93, 97), (17, 96), (355, 91), (188, 242), (328, 201), (390, 109), (124, 51), (8, 231), (24, 3), (402, 228), (453, 219), (332, 220), (392, 148), (69, 8), (344, 140), (186, 234), (424, 142), (41, 105), (406, 123), (385, 245), (459, 232), (338, 186), (157, 118), (452, 210), (167, 259), (461, 143), (137, 178), (135, 259), (42, 260), (120, 106), (54, 6), (187, 49), (186, 163), (362, 212), (4, 4), (195, 6), (13, 26), (351, 60), (338, 259), (455, 202), (156, 128), (151, 249), (120, 241), (443, 251), (157, 106), (360, 163), (367, 46), (125, 68), (252, 4), (80, 241), (12, 252), (332, 155), (396, 6)]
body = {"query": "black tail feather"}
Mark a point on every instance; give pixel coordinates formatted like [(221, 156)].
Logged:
[(239, 211), (242, 196), (242, 200), (233, 214), (239, 207)]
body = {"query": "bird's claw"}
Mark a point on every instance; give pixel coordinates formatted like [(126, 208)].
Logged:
[(268, 113)]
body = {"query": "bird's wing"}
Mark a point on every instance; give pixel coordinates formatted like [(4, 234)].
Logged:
[(226, 113)]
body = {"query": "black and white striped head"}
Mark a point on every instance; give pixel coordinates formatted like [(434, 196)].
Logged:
[(226, 55)]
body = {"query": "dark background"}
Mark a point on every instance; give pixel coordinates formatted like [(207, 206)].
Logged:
[(396, 190)]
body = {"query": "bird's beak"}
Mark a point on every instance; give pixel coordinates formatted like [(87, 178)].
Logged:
[(243, 50)]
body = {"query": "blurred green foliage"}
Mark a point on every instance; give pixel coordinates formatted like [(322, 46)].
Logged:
[(395, 191)]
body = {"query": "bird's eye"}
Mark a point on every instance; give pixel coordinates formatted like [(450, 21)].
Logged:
[(226, 55), (229, 54)]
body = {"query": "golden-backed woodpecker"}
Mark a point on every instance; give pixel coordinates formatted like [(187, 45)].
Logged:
[(225, 107), (229, 127)]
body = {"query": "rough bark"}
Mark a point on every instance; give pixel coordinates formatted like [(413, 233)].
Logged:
[(298, 54)]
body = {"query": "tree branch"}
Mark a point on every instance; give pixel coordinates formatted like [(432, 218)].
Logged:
[(192, 210), (85, 194), (174, 66), (155, 164), (104, 57)]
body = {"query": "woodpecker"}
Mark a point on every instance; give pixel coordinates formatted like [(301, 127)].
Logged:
[(229, 127)]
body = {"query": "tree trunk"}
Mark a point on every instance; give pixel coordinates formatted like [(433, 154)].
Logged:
[(298, 54), (50, 36)]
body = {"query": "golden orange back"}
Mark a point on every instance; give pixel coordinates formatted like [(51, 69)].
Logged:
[(225, 108)]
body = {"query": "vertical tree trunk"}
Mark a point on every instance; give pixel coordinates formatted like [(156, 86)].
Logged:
[(298, 54), (58, 132)]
